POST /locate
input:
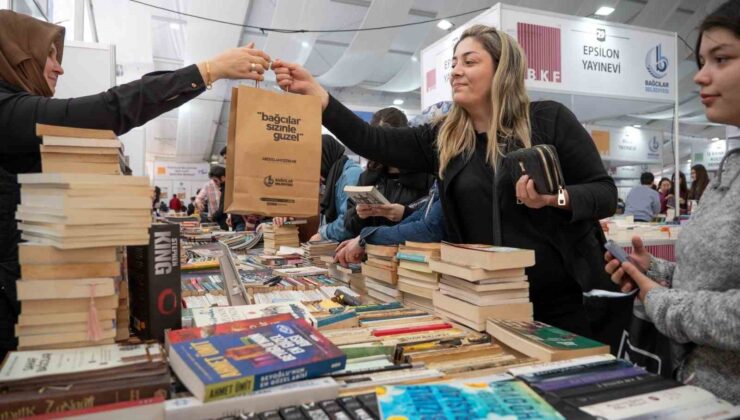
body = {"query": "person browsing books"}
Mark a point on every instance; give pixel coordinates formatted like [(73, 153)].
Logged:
[(423, 225), (491, 116), (406, 190), (31, 54), (697, 302)]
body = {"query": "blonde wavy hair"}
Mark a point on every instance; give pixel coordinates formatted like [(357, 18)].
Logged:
[(509, 102)]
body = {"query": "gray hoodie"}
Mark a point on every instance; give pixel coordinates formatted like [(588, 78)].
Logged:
[(702, 307)]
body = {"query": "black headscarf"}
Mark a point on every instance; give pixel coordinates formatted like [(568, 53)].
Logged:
[(332, 165)]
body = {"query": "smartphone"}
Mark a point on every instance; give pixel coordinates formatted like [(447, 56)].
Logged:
[(617, 251)]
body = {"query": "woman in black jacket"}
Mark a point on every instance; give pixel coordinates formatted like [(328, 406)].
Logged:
[(492, 115), (30, 63), (406, 190)]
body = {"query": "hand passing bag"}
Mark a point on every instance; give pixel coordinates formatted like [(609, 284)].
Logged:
[(540, 162), (274, 153)]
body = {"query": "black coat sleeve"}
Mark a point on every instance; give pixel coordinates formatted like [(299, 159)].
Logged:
[(592, 192), (410, 148), (119, 109)]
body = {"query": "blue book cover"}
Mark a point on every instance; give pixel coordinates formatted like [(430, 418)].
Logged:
[(411, 257), (468, 400), (223, 366), (588, 378)]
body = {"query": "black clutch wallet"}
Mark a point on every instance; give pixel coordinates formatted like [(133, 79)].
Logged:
[(541, 163)]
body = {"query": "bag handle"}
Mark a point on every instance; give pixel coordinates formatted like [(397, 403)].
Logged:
[(269, 67)]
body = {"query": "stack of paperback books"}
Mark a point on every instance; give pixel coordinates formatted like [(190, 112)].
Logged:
[(70, 210), (75, 215), (350, 275), (314, 250), (68, 297), (96, 379), (79, 150), (480, 282), (381, 273), (416, 280), (604, 387), (277, 236)]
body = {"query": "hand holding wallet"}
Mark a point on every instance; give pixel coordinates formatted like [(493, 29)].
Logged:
[(540, 162)]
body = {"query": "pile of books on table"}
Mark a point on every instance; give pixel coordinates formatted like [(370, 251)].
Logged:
[(380, 271), (416, 280), (313, 251), (122, 381), (76, 215), (276, 236), (479, 282)]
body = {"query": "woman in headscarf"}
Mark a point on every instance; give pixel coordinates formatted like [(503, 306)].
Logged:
[(337, 171), (31, 53)]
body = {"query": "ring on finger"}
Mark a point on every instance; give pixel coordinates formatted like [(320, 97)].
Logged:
[(254, 67)]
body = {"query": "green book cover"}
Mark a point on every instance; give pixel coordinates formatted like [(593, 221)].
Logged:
[(547, 335)]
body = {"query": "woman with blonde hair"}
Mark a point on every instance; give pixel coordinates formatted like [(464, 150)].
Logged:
[(481, 202)]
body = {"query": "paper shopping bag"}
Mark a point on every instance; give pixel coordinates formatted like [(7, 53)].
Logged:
[(274, 153)]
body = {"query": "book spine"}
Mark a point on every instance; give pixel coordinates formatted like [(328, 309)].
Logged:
[(252, 383), (576, 369), (48, 403), (590, 378), (615, 394), (606, 386), (411, 257)]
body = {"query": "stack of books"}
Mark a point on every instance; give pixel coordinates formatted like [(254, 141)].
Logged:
[(480, 282), (84, 210), (92, 379), (350, 275), (314, 250), (381, 273), (416, 280), (277, 236), (80, 150), (68, 297), (601, 386)]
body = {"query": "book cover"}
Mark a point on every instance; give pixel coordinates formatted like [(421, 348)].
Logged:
[(154, 283), (463, 400), (650, 402), (365, 194), (25, 366), (543, 341), (240, 363), (486, 256), (218, 315), (196, 333)]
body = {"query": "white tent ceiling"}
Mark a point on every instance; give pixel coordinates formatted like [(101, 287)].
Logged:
[(368, 68)]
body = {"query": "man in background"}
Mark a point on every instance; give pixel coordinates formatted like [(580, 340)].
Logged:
[(643, 202), (175, 203)]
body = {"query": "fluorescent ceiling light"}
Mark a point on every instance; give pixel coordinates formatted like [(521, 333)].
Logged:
[(604, 11), (398, 102), (445, 24), (636, 125), (174, 26), (414, 59), (305, 44), (688, 161)]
